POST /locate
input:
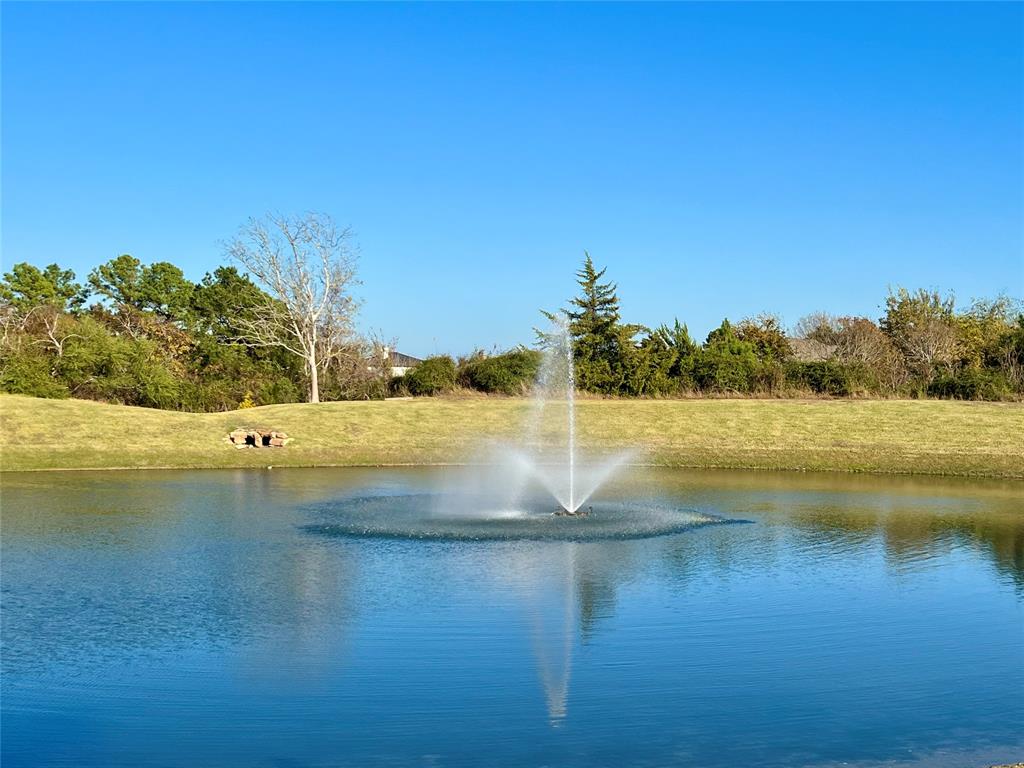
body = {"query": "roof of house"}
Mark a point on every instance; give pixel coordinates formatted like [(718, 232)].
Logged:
[(399, 360)]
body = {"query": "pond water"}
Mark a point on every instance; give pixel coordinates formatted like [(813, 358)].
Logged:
[(239, 618)]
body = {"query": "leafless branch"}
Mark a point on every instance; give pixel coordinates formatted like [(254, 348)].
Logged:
[(307, 266)]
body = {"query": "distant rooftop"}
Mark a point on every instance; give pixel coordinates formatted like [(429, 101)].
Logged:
[(400, 360)]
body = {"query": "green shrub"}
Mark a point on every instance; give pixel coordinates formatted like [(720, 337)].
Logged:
[(511, 373), (432, 376), (971, 384), (770, 377), (27, 371), (824, 377), (728, 365), (397, 387)]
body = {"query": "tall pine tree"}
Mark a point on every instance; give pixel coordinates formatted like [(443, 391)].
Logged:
[(597, 308), (600, 342)]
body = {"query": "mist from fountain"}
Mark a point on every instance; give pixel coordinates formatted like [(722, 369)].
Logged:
[(541, 486), (570, 403), (548, 453)]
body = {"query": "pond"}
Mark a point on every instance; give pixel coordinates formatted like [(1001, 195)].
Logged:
[(240, 618)]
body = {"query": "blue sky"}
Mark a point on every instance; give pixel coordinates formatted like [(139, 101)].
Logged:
[(721, 160)]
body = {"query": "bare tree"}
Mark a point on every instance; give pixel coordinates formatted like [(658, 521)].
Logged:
[(923, 328), (11, 324), (859, 340), (307, 266), (361, 371), (817, 326), (52, 321)]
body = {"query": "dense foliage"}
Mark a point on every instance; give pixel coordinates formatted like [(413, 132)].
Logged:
[(154, 339), (431, 377), (922, 346), (511, 373), (151, 337)]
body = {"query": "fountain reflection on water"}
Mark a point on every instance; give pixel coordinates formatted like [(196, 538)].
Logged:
[(552, 621)]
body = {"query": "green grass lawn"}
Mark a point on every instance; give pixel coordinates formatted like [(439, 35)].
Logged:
[(928, 437)]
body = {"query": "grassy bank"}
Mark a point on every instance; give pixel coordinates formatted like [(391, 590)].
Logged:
[(927, 437)]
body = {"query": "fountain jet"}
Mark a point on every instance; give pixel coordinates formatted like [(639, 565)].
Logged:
[(559, 469)]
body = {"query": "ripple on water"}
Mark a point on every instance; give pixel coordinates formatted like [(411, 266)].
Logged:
[(462, 518)]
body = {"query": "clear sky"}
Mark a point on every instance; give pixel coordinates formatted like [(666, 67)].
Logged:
[(721, 160)]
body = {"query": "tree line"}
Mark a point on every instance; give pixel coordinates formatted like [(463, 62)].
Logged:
[(922, 346), (277, 325)]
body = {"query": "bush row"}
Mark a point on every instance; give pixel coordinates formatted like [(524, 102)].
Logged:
[(509, 373), (513, 373)]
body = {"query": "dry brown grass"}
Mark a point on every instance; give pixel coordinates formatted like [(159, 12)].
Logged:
[(926, 437)]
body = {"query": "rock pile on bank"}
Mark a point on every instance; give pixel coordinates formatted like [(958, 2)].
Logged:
[(244, 437)]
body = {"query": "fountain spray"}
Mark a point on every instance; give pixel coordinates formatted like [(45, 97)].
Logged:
[(570, 403), (563, 472)]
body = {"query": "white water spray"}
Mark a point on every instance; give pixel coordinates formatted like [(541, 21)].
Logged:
[(570, 403), (547, 453)]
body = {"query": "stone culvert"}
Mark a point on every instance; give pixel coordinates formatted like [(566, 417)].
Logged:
[(244, 437)]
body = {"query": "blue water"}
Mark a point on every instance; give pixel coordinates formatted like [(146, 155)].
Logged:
[(212, 618)]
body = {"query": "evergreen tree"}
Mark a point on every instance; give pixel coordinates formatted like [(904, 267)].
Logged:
[(221, 297), (27, 287), (161, 287), (597, 308), (119, 280), (602, 347), (726, 363)]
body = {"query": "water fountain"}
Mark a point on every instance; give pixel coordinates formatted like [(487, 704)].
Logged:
[(542, 486), (547, 452)]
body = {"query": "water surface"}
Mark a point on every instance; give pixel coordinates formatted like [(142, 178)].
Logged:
[(215, 618)]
